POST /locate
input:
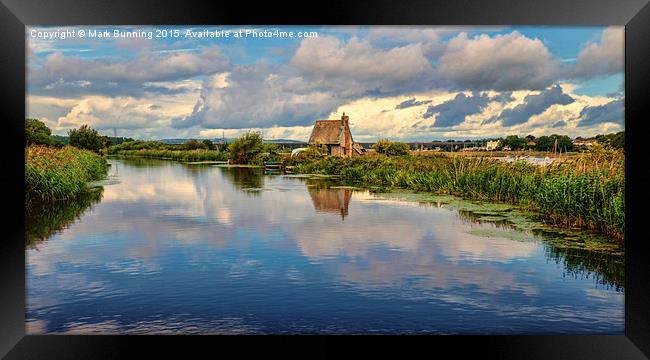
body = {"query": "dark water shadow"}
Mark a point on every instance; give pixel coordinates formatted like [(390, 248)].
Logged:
[(583, 255), (248, 180), (46, 219)]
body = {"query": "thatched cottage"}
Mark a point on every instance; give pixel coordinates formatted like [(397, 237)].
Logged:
[(336, 135)]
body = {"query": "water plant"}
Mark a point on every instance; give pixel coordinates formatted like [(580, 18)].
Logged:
[(59, 174), (586, 190), (181, 155)]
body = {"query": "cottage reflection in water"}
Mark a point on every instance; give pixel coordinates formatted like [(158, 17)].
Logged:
[(329, 200)]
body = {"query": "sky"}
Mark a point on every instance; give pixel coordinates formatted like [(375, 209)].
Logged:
[(404, 83)]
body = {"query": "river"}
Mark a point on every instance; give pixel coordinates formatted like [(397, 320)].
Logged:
[(170, 248)]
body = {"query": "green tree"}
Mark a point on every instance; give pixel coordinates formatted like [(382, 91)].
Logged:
[(106, 141), (618, 140), (564, 143), (37, 133), (86, 138), (193, 144), (315, 149), (244, 149), (208, 144), (60, 140), (614, 140), (514, 142), (391, 148), (543, 143)]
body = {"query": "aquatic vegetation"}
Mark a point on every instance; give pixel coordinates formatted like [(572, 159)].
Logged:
[(513, 235), (585, 190), (198, 155), (581, 251), (208, 162), (60, 174)]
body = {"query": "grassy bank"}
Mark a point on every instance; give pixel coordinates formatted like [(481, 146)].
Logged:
[(195, 155), (59, 174), (585, 190), (180, 155), (248, 149)]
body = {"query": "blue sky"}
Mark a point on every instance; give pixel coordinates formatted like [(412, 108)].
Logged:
[(451, 82)]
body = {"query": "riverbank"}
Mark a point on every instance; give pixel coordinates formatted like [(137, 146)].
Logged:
[(583, 191), (180, 155), (59, 174)]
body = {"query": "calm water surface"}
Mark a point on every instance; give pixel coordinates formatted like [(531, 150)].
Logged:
[(167, 247)]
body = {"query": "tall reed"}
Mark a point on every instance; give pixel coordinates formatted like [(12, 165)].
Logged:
[(586, 190), (182, 155), (59, 174)]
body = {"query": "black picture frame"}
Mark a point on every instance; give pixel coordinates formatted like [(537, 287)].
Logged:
[(634, 14)]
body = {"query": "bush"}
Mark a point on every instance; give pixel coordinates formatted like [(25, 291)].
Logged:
[(87, 138), (207, 144), (245, 148), (37, 133), (391, 148), (193, 144), (136, 145)]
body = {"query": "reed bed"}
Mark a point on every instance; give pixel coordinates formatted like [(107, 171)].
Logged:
[(59, 174), (585, 190), (181, 155)]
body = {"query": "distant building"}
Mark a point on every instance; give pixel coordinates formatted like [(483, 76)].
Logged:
[(492, 145), (584, 142), (336, 135)]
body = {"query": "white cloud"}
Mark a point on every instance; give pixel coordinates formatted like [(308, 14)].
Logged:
[(502, 62), (118, 76), (132, 116), (367, 72), (603, 58), (357, 59)]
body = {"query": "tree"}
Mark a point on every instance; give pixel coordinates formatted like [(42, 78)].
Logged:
[(391, 148), (86, 138), (564, 143), (514, 142), (544, 143), (106, 141), (37, 133), (207, 144), (315, 149), (547, 143), (244, 149), (614, 140), (193, 144), (618, 140)]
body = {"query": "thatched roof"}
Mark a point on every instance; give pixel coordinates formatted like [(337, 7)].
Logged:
[(326, 132)]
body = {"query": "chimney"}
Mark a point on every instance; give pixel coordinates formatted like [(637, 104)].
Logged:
[(345, 119)]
